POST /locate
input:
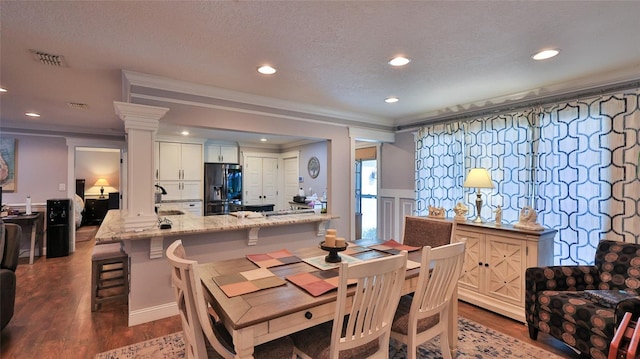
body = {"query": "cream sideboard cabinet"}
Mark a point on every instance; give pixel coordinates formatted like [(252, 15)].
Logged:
[(495, 262)]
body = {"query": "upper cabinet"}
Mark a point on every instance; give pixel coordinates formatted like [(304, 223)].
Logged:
[(221, 153), (179, 161)]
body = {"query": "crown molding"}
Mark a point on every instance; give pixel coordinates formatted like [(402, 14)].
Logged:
[(132, 78)]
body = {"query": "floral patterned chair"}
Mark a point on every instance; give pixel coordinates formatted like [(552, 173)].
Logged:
[(556, 302)]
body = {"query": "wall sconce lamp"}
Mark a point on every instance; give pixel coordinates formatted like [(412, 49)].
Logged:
[(478, 178), (101, 182)]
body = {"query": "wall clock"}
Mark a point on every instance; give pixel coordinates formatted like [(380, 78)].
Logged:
[(313, 167)]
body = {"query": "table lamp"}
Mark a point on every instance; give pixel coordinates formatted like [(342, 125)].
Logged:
[(478, 178), (101, 182)]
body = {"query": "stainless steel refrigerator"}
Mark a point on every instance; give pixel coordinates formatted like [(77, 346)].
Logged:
[(222, 185)]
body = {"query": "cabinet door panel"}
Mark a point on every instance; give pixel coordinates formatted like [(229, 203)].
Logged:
[(190, 190), (169, 161), (173, 190), (504, 276), (229, 154), (473, 257), (191, 160)]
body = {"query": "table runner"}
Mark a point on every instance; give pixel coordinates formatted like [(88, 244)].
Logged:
[(393, 247)]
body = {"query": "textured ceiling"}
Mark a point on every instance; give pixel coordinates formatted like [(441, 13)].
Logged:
[(330, 55)]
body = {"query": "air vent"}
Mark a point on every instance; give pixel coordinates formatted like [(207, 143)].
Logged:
[(77, 105), (49, 59)]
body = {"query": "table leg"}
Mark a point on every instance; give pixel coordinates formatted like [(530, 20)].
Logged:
[(33, 243), (243, 343), (453, 320)]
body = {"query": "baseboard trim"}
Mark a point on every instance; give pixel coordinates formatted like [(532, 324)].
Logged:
[(491, 304), (150, 314)]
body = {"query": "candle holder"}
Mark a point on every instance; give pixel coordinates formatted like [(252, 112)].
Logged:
[(333, 256)]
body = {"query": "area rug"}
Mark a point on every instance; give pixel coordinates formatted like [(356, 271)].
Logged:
[(474, 341), (86, 233)]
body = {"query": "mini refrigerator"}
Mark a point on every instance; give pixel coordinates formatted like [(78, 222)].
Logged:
[(59, 217)]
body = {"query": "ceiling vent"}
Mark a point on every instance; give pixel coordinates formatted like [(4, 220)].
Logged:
[(49, 59), (77, 105)]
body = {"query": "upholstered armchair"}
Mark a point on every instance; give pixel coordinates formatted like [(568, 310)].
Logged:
[(9, 251), (556, 302)]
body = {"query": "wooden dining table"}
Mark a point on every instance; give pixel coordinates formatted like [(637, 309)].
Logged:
[(261, 316)]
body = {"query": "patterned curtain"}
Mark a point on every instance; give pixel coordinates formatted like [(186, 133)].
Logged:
[(439, 176), (576, 163)]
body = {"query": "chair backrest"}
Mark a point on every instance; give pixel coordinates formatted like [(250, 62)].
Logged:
[(198, 319), (435, 287), (181, 277), (424, 231), (11, 246), (618, 264), (370, 315)]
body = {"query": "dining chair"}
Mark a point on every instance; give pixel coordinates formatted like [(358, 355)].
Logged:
[(425, 231), (425, 315), (362, 320), (200, 321)]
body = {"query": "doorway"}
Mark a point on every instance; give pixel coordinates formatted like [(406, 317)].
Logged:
[(366, 186)]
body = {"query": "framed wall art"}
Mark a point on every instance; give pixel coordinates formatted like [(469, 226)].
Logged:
[(313, 167), (8, 164)]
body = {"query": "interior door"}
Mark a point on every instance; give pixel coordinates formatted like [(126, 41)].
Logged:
[(270, 180), (252, 180), (291, 185)]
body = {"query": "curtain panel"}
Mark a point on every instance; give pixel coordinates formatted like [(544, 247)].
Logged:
[(576, 163)]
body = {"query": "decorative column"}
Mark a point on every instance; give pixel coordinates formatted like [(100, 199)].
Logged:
[(141, 124)]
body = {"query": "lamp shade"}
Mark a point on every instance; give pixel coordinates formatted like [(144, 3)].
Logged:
[(101, 182), (478, 178)]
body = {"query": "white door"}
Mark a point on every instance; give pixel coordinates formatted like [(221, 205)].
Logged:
[(291, 184), (270, 180), (252, 180)]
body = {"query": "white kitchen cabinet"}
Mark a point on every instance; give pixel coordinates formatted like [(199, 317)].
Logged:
[(221, 153), (181, 190), (179, 161), (496, 258), (260, 181)]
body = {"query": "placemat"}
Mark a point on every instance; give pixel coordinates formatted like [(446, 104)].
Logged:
[(273, 259), (393, 247), (353, 249), (318, 282), (248, 281)]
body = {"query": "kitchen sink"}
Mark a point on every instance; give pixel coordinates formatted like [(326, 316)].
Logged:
[(170, 212)]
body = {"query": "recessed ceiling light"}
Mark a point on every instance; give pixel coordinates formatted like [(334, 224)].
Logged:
[(545, 54), (185, 133), (263, 140), (32, 114), (266, 70), (399, 61), (2, 89), (391, 99)]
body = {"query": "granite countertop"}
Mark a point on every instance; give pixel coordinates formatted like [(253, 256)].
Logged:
[(188, 223)]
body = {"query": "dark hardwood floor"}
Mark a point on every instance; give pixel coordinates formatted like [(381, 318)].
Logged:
[(53, 317)]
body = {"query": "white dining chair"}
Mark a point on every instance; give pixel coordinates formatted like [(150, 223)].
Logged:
[(361, 325), (200, 321), (425, 231), (425, 315)]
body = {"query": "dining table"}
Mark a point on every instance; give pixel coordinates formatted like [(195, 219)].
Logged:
[(264, 315)]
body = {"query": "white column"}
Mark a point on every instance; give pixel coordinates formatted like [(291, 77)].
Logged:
[(141, 124)]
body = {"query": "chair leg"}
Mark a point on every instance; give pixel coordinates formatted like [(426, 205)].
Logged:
[(94, 285), (444, 345), (533, 332)]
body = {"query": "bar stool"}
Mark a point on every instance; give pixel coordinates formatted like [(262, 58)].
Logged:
[(109, 270)]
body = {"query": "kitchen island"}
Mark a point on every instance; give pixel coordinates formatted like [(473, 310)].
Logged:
[(206, 239)]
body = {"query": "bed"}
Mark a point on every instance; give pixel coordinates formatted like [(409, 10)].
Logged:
[(78, 202)]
